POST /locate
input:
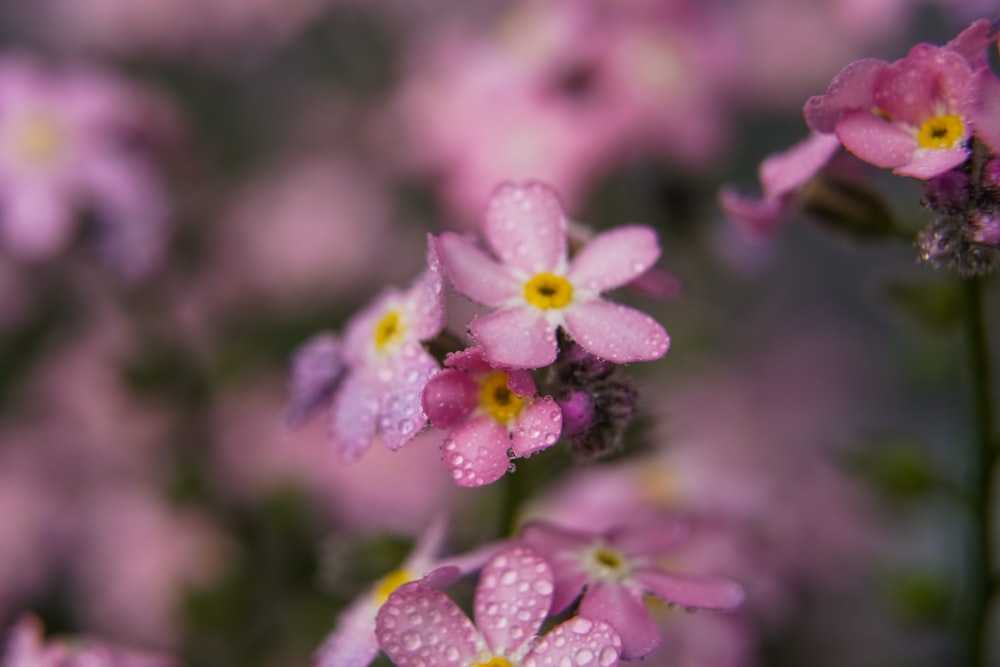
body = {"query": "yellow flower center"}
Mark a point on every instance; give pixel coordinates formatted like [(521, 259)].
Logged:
[(606, 564), (494, 662), (391, 582), (39, 138), (497, 399), (940, 132), (389, 330), (547, 290)]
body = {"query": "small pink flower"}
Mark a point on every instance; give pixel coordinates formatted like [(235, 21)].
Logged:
[(420, 625), (536, 289), (387, 367), (489, 411), (915, 115), (782, 175), (26, 648), (614, 570), (352, 642)]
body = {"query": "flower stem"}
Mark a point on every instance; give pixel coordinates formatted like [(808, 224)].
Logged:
[(981, 576)]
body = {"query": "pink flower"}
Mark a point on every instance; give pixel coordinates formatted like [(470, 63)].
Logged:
[(387, 365), (26, 648), (352, 642), (535, 289), (63, 148), (782, 175), (915, 115), (614, 570), (420, 625), (489, 412)]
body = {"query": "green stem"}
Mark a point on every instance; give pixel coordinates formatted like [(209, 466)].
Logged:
[(981, 575)]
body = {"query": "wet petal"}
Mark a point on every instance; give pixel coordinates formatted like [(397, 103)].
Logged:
[(537, 427), (692, 591), (353, 416), (474, 273), (626, 612), (419, 625), (526, 228), (985, 115), (449, 397), (317, 368), (352, 642), (425, 298), (402, 414), (875, 139), (561, 548), (852, 88), (615, 332), (614, 258), (784, 172), (516, 337), (476, 452), (512, 599), (579, 642), (931, 162)]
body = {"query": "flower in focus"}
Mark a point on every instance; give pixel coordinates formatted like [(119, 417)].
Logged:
[(535, 289), (512, 600), (25, 648), (915, 115), (387, 367), (67, 145), (782, 175), (352, 642), (616, 569), (489, 412)]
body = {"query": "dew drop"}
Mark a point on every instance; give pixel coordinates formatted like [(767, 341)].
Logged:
[(511, 468), (581, 626), (609, 656), (584, 657), (411, 641), (508, 577), (406, 427)]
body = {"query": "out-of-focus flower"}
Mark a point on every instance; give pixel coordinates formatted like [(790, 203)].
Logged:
[(68, 146), (352, 642), (614, 570), (420, 625), (26, 648), (489, 411), (915, 115), (387, 367), (535, 289), (782, 175)]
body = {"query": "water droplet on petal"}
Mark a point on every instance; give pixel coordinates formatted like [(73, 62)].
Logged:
[(584, 657), (411, 641), (581, 626)]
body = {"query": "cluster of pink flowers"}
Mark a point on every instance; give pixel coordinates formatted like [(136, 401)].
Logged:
[(380, 378)]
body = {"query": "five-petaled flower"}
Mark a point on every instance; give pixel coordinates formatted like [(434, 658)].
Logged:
[(615, 570), (489, 411), (387, 365), (420, 625), (535, 288), (917, 114)]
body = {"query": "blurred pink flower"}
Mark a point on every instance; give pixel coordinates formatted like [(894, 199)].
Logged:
[(27, 648), (66, 148), (420, 625), (915, 115), (782, 175), (488, 411), (535, 288), (614, 570)]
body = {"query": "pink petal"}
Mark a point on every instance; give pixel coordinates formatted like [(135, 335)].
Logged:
[(470, 360), (931, 162), (757, 217), (561, 547), (317, 368), (521, 383), (512, 599), (625, 611), (907, 89), (353, 415), (613, 258), (402, 415), (352, 642), (37, 223), (526, 228), (578, 641), (850, 89), (425, 298), (652, 537), (974, 42), (537, 427), (875, 139), (475, 452), (691, 591), (518, 337), (615, 332), (985, 115), (419, 626), (474, 273), (449, 397), (782, 173)]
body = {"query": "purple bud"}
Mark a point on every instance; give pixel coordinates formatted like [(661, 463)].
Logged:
[(991, 173), (947, 192), (578, 412), (986, 228)]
